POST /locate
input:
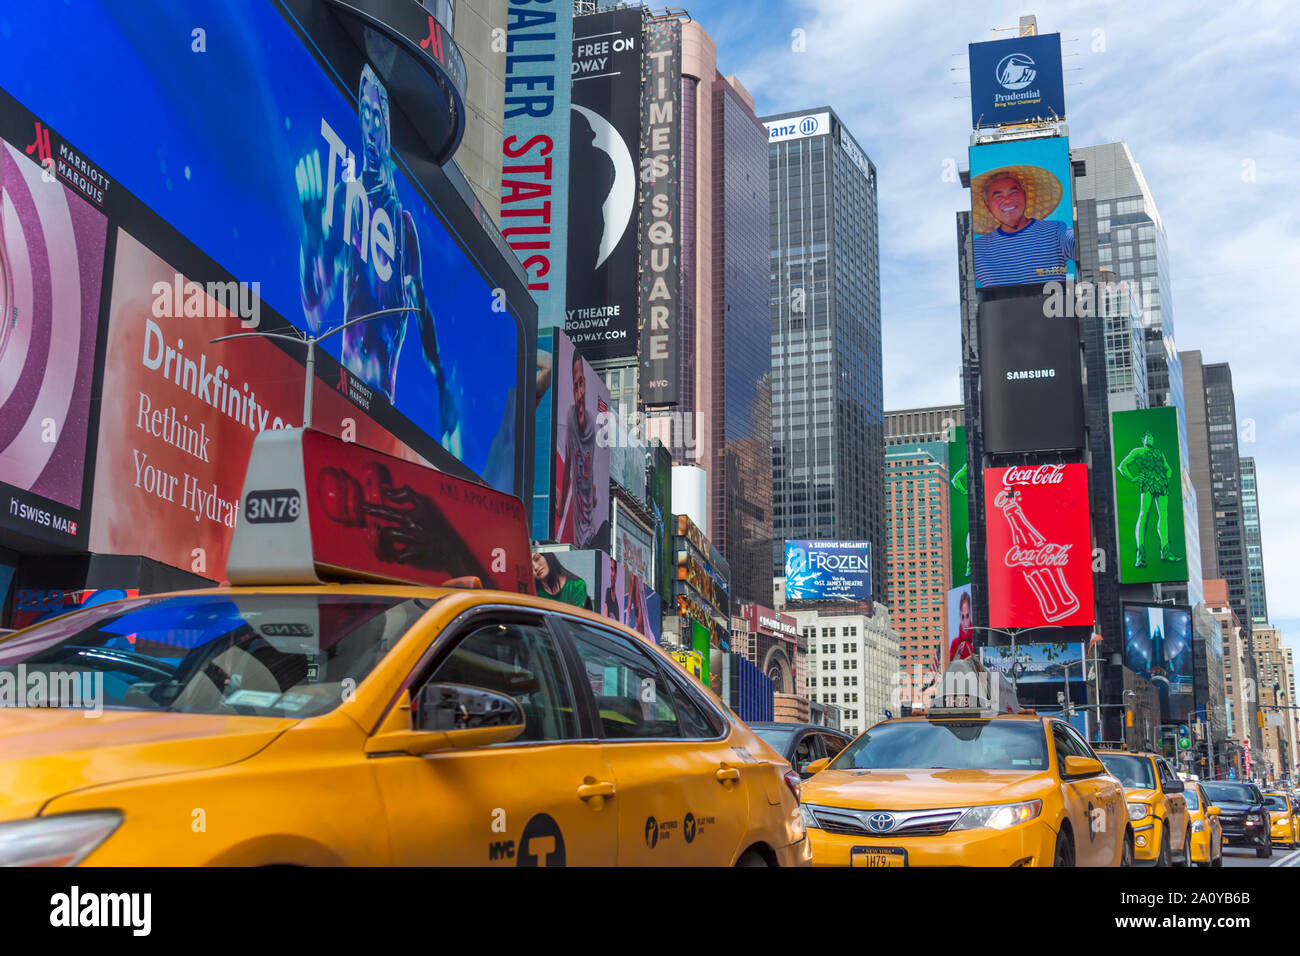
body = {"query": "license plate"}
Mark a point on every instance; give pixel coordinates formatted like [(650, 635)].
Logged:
[(877, 856)]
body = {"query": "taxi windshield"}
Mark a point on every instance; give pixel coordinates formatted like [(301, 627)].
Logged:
[(1275, 801), (265, 655), (1193, 796), (1134, 772), (948, 745), (778, 738)]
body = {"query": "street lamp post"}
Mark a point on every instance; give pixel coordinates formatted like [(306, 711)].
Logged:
[(310, 341)]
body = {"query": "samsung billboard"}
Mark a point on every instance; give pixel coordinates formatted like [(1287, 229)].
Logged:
[(827, 570)]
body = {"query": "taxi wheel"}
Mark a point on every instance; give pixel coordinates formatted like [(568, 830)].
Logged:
[(1126, 855), (1064, 850), (1186, 858), (1218, 860), (751, 858), (1163, 858)]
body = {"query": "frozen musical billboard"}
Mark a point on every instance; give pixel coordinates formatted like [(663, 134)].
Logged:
[(1039, 545)]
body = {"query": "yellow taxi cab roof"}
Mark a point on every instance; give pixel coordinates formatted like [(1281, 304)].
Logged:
[(1128, 753), (973, 715), (475, 595)]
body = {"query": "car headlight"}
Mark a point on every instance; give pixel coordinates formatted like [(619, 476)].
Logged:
[(1198, 826), (1138, 811), (809, 821), (60, 840), (999, 816)]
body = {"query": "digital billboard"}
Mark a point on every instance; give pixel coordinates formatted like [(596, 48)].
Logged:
[(1022, 210), (605, 137), (1158, 648), (1017, 80), (627, 455), (544, 435), (1031, 381), (177, 429), (1039, 545), (828, 570), (535, 149), (1148, 496), (565, 576), (959, 506), (52, 239), (661, 214), (1037, 663), (580, 504), (961, 625), (296, 181), (608, 587), (659, 500)]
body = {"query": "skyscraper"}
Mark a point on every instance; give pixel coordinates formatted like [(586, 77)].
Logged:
[(827, 390), (917, 575), (1254, 543), (906, 426)]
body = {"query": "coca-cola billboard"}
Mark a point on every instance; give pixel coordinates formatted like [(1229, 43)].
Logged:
[(1039, 545)]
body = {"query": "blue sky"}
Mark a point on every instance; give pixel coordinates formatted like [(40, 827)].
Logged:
[(1208, 99)]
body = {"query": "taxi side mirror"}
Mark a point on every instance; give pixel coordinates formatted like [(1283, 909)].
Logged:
[(1212, 811), (448, 717), (1083, 767), (817, 766), (1174, 786)]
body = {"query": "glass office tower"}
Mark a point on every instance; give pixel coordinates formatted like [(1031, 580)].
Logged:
[(827, 392)]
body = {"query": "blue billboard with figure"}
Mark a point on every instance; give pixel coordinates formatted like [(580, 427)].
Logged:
[(1158, 648), (828, 570), (298, 175), (1019, 80), (1022, 212)]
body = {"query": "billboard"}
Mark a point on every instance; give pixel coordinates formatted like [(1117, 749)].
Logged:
[(627, 455), (1148, 496), (661, 205), (181, 414), (634, 544), (1039, 545), (605, 140), (580, 504), (1031, 379), (270, 171), (1016, 81), (610, 589), (52, 238), (958, 507), (659, 495), (565, 576), (535, 149), (827, 570), (544, 435), (1022, 212), (798, 127), (1158, 648), (1038, 663), (961, 629)]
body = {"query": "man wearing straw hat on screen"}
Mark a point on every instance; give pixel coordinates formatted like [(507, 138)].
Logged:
[(1015, 244)]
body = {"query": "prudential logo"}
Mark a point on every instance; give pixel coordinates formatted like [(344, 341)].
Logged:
[(1016, 71)]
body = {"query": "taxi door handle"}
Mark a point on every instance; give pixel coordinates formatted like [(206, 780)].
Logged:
[(601, 788), (727, 775)]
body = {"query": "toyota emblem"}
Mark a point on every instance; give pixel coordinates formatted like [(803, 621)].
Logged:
[(880, 822)]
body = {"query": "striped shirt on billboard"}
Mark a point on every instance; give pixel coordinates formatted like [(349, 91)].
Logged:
[(1037, 253)]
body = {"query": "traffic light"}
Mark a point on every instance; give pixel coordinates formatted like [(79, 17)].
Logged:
[(1184, 737)]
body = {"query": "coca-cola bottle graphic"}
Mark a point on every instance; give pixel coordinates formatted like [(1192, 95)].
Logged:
[(1042, 562)]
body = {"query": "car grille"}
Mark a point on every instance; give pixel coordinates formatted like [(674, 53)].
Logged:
[(907, 823)]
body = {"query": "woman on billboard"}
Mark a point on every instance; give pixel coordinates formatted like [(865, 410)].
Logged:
[(556, 582)]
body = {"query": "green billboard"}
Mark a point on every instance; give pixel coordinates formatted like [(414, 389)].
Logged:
[(1148, 496), (958, 506)]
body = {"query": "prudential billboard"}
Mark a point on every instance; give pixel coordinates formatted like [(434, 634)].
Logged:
[(827, 570), (1016, 81)]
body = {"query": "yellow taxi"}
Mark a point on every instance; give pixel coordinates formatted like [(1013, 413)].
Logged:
[(966, 786), (1285, 822), (372, 723), (1207, 831), (1156, 806)]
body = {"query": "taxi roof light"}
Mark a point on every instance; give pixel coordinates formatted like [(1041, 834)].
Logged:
[(969, 690)]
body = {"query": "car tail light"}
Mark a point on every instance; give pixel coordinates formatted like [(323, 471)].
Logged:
[(794, 782)]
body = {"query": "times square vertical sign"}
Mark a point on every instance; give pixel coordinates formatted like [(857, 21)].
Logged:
[(661, 209)]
